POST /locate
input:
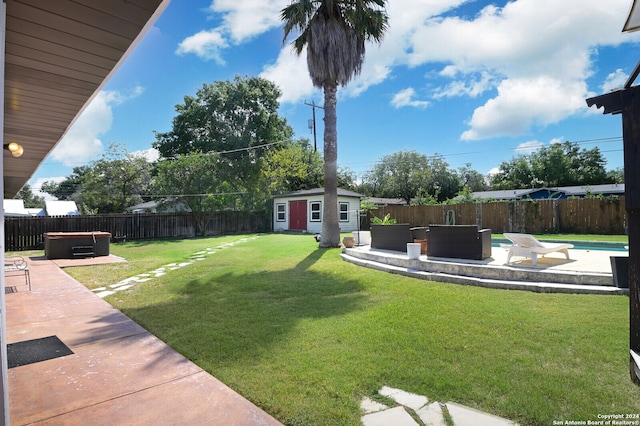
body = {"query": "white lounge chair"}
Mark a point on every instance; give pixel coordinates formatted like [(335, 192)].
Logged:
[(528, 246)]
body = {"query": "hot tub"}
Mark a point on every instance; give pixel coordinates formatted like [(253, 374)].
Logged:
[(70, 245)]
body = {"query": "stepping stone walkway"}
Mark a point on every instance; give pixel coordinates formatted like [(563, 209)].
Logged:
[(416, 410), (127, 283)]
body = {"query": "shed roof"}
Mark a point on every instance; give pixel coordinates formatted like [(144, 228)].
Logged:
[(318, 191)]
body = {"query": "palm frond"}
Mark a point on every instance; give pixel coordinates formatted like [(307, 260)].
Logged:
[(296, 16), (334, 32)]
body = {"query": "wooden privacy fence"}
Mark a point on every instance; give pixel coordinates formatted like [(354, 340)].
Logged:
[(26, 233), (575, 215)]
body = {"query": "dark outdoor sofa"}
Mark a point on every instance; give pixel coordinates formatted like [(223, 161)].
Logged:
[(459, 241), (395, 237)]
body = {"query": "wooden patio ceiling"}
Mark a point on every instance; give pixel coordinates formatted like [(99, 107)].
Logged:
[(58, 55)]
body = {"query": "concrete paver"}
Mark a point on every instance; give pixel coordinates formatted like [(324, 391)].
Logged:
[(431, 415), (396, 416), (411, 400), (465, 416), (368, 405)]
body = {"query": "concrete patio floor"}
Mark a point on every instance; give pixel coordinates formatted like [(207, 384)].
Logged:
[(118, 374), (586, 271)]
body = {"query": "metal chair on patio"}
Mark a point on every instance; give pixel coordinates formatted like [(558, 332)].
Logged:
[(17, 265)]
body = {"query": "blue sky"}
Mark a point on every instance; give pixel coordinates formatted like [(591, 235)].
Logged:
[(475, 81)]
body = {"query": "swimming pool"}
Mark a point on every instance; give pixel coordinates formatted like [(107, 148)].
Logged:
[(577, 245)]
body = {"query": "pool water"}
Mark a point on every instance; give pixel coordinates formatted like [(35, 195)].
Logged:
[(577, 245)]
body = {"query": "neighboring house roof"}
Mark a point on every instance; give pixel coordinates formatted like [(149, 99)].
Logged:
[(169, 205), (142, 207), (61, 208), (509, 194), (551, 192), (15, 208), (609, 189), (386, 201), (318, 191)]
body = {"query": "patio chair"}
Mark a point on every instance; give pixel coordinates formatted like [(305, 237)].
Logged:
[(17, 265), (528, 246)]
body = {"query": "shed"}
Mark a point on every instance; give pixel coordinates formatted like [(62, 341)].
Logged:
[(302, 210)]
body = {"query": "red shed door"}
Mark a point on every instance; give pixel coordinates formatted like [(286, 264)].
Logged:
[(297, 215)]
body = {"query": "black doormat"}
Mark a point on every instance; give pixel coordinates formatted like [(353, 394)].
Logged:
[(9, 290), (36, 350)]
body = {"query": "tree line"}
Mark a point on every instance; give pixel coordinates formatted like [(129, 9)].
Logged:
[(230, 149)]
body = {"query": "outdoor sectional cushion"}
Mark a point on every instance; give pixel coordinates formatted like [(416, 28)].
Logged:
[(391, 237), (459, 241)]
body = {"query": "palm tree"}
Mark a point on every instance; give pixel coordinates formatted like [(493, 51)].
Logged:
[(334, 32)]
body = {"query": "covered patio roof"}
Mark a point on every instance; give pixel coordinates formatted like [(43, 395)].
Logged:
[(58, 55)]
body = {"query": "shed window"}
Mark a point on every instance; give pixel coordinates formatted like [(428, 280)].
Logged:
[(280, 212), (344, 212), (316, 209)]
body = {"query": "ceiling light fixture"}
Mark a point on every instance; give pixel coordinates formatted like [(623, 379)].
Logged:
[(15, 148)]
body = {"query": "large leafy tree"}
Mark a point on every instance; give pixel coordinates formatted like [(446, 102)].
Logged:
[(399, 175), (443, 181), (334, 33), (237, 119), (30, 199), (117, 180), (114, 182), (562, 164), (514, 174), (410, 175), (293, 167), (192, 181), (471, 179), (69, 188)]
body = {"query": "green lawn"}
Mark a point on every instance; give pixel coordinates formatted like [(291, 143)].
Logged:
[(305, 335)]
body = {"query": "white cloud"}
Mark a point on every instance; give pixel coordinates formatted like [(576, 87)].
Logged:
[(290, 74), (82, 141), (406, 98), (493, 171), (473, 86), (557, 140), (529, 146), (615, 80), (205, 44), (529, 60), (524, 103), (538, 51), (241, 21), (36, 187), (151, 155), (244, 19)]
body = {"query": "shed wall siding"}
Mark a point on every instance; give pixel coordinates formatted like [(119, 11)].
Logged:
[(315, 227)]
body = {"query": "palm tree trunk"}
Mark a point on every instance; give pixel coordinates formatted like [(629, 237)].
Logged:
[(330, 226)]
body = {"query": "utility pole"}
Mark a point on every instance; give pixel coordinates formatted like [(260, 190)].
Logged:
[(312, 122)]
